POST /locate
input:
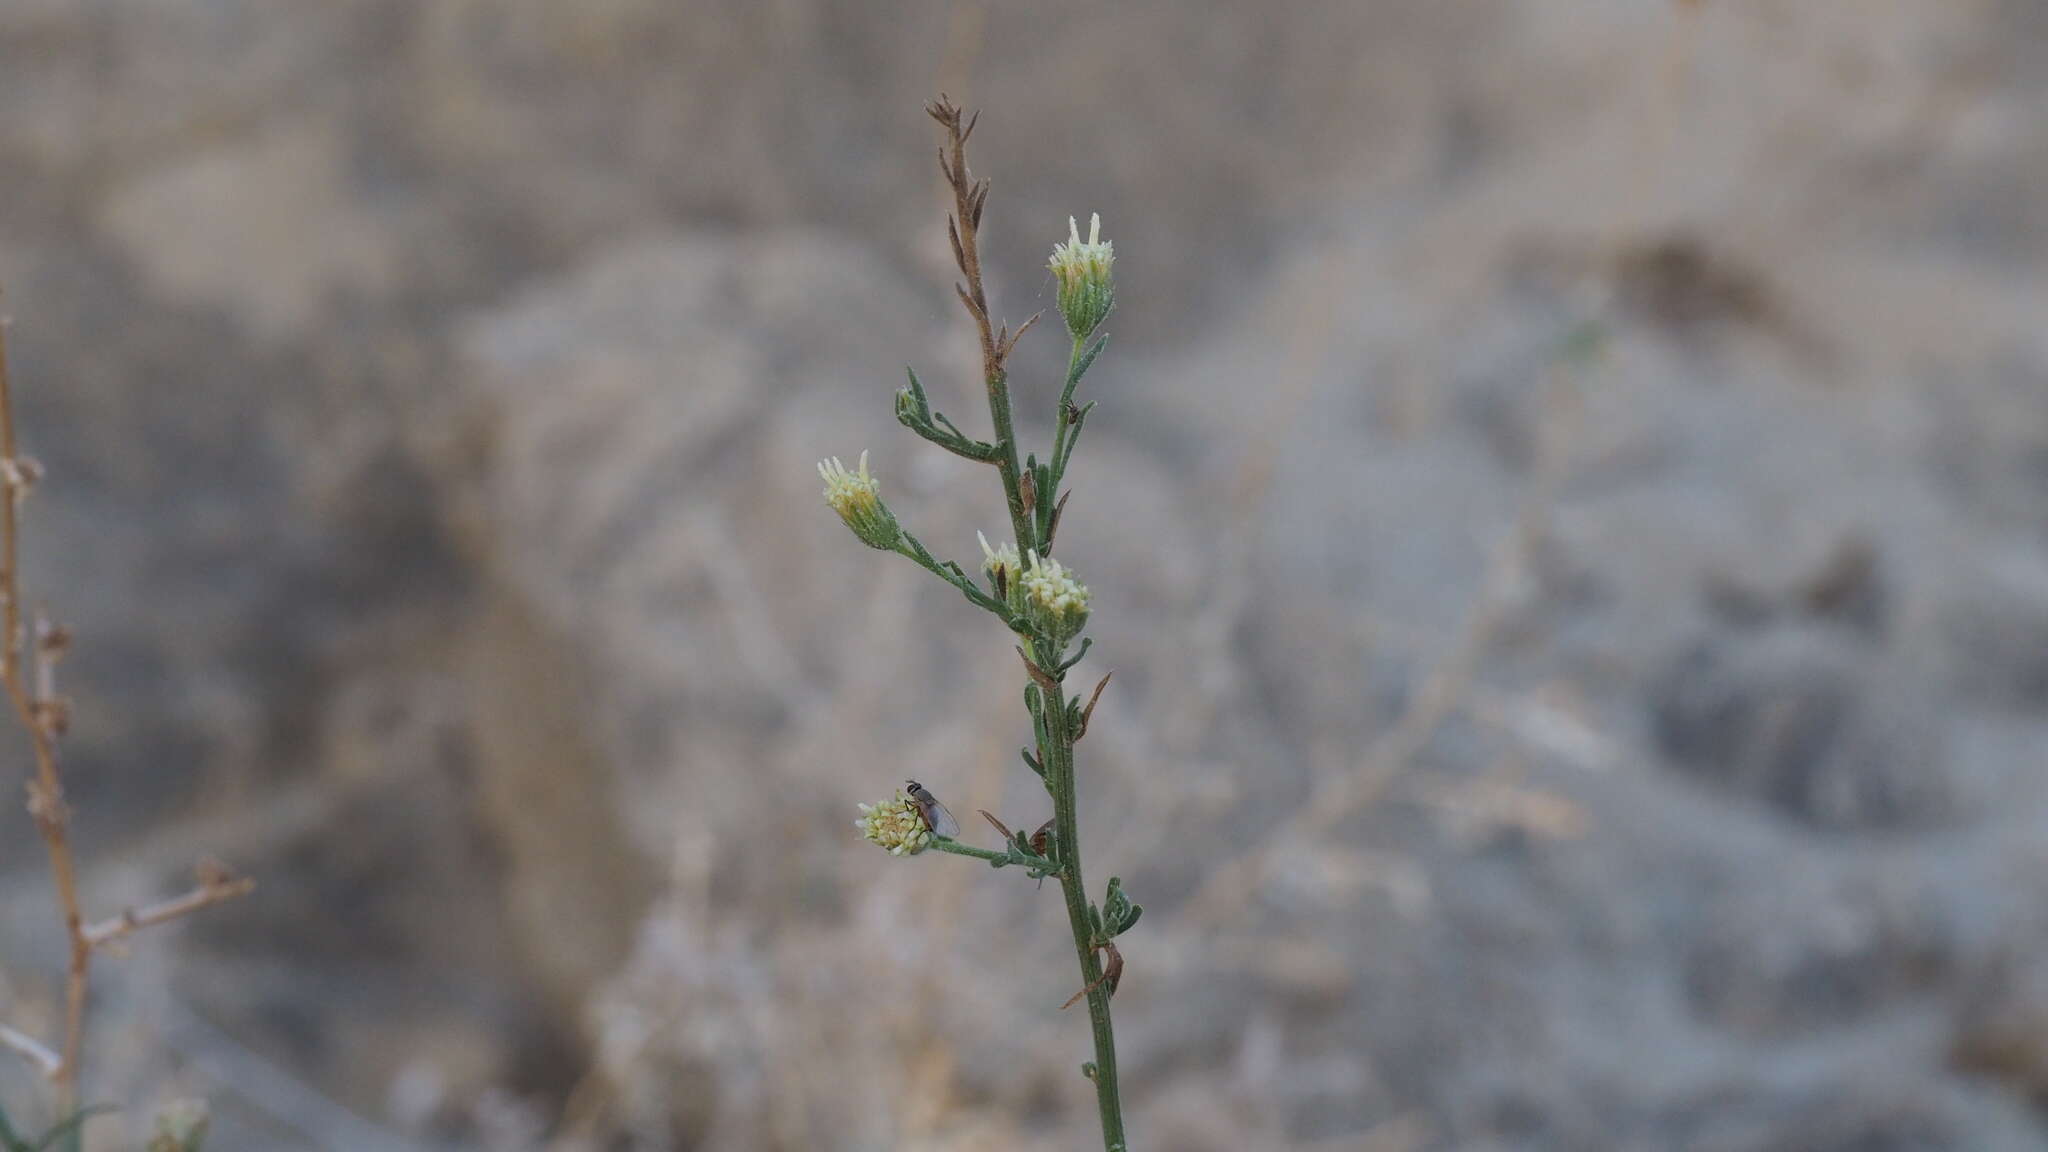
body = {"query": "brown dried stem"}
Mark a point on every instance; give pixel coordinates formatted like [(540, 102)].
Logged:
[(963, 227), (28, 671), (216, 886), (46, 790)]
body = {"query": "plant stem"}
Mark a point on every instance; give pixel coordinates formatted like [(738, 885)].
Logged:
[(1062, 424), (1008, 465), (914, 548), (1033, 527), (46, 792), (28, 679), (968, 197), (1059, 759), (999, 859)]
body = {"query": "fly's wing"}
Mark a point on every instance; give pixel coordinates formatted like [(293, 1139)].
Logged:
[(943, 823)]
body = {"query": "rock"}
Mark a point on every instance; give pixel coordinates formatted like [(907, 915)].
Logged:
[(1800, 722), (2001, 1033), (1800, 959), (1996, 624), (274, 230), (1874, 1114)]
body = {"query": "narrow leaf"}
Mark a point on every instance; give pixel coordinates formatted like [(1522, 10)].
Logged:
[(1088, 355)]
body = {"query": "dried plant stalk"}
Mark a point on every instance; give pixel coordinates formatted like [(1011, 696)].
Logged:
[(28, 669)]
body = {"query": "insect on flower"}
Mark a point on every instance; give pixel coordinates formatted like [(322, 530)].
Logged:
[(936, 817)]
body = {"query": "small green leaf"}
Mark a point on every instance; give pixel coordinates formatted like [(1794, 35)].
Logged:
[(1086, 643), (1087, 359)]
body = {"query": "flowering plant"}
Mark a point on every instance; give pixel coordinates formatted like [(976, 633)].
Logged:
[(1034, 595)]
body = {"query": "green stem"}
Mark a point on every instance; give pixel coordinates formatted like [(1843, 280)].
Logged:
[(1059, 444), (1008, 464), (1059, 759), (999, 859), (1078, 362), (914, 548)]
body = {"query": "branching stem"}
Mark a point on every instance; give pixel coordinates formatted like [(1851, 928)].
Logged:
[(46, 791), (28, 673), (951, 573), (1035, 501)]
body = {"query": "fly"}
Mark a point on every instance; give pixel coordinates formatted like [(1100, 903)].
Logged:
[(936, 817)]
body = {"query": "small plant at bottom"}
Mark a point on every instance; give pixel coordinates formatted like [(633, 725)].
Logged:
[(1035, 596)]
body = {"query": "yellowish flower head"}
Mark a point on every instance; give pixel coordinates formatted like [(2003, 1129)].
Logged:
[(1078, 259), (1052, 593), (850, 493), (895, 824), (857, 497)]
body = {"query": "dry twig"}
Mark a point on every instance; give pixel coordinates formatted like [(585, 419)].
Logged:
[(28, 669), (30, 1049)]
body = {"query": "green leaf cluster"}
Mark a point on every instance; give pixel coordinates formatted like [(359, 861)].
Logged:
[(1116, 914)]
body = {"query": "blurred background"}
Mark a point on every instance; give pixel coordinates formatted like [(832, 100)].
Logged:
[(1568, 515)]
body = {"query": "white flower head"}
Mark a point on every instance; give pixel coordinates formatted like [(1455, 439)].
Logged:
[(1078, 258), (1000, 563), (896, 825), (849, 492), (857, 497), (1087, 291), (1054, 597)]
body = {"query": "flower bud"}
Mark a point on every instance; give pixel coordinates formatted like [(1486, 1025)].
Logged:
[(857, 497), (1054, 601), (1004, 572), (1086, 290)]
